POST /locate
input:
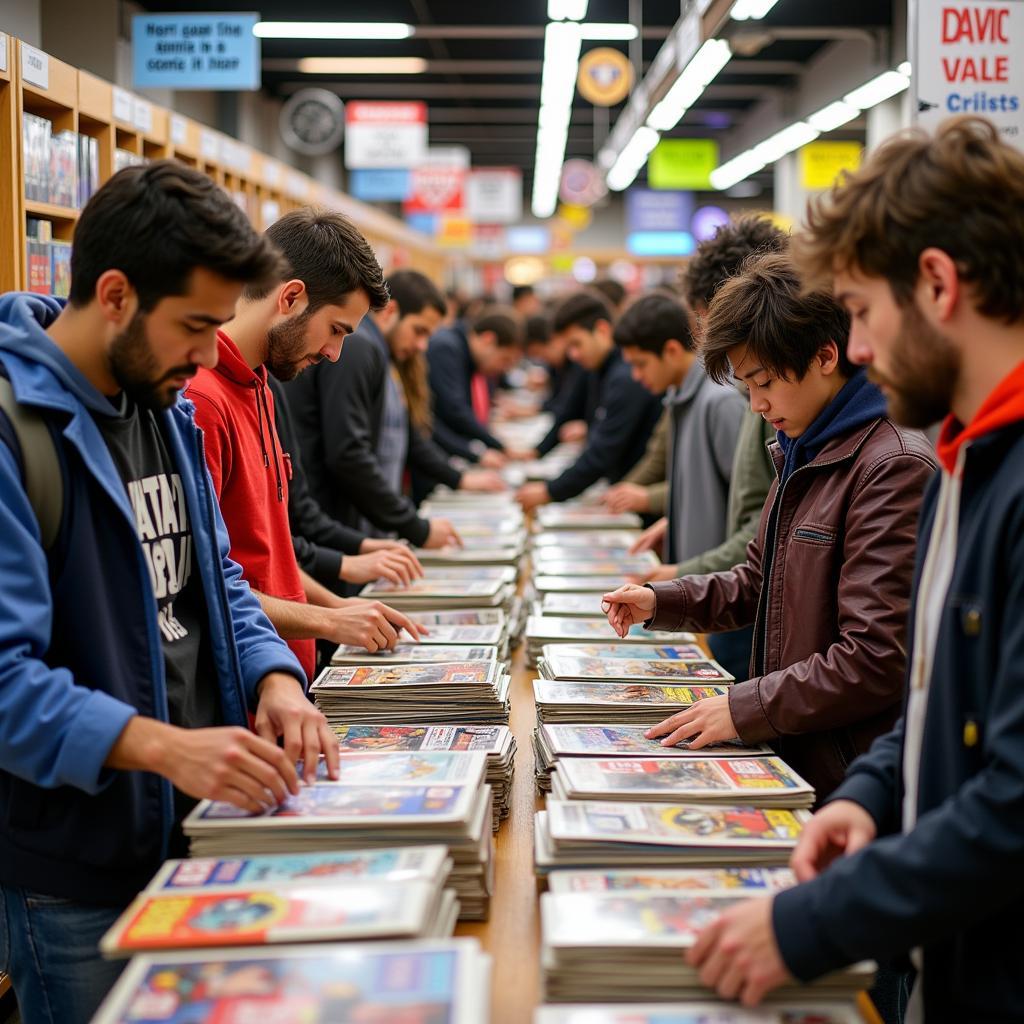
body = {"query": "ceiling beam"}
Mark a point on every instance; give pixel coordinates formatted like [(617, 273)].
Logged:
[(434, 67), (413, 89)]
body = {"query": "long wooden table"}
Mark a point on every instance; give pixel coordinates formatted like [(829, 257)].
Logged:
[(512, 935)]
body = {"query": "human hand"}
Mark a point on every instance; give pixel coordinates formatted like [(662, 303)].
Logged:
[(481, 480), (442, 535), (369, 624), (708, 721), (651, 539), (837, 830), (738, 954), (397, 564), (626, 498), (532, 495), (574, 430), (492, 459), (628, 606), (521, 454), (285, 711)]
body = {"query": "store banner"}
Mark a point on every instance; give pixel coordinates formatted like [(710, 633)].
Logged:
[(582, 184), (454, 231), (821, 163), (384, 134), (379, 185), (494, 195), (436, 189), (682, 163), (650, 210), (968, 58)]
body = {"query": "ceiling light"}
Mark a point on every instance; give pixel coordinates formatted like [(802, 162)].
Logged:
[(698, 74), (633, 156), (744, 10), (835, 115), (778, 145), (870, 94), (905, 68), (332, 30), (362, 65), (608, 31), (572, 10), (736, 169)]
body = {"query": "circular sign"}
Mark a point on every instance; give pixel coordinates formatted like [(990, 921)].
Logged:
[(582, 183), (605, 76), (313, 121)]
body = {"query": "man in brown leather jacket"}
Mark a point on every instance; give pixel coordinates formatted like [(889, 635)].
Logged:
[(827, 577)]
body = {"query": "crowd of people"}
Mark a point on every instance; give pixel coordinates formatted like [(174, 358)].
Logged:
[(222, 435)]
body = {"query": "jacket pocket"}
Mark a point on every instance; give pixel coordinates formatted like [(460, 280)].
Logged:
[(815, 534)]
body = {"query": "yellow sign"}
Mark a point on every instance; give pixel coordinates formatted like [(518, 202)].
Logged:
[(576, 217), (454, 232), (682, 164), (821, 163), (605, 77)]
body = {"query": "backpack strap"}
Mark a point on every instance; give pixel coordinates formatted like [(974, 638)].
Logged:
[(40, 465)]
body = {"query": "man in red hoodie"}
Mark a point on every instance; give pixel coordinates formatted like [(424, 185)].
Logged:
[(334, 280)]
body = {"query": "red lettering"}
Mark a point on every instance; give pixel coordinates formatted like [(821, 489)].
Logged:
[(976, 69), (961, 25), (953, 24)]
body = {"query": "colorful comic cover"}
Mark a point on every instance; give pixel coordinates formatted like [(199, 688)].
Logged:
[(620, 539), (553, 627), (561, 667), (832, 1012), (627, 651), (595, 566), (445, 674), (482, 738), (434, 588), (413, 654), (599, 584), (550, 691), (626, 740), (460, 617), (749, 881), (580, 603)]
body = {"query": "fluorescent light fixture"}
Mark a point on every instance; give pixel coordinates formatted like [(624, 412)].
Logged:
[(605, 158), (362, 65), (734, 170), (571, 10), (744, 10), (905, 69), (835, 115), (778, 145), (633, 156), (698, 74), (332, 30), (608, 30), (870, 94)]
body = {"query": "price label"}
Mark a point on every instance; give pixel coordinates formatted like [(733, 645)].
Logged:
[(179, 130), (35, 66), (123, 106)]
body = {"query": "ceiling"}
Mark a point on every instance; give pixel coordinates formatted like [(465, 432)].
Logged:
[(484, 59)]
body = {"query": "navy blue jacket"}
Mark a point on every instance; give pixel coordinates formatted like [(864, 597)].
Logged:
[(569, 401), (451, 370), (80, 649), (621, 415), (955, 884)]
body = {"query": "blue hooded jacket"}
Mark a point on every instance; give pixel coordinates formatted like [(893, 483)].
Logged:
[(80, 648)]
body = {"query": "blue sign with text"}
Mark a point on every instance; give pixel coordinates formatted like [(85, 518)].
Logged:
[(388, 184), (195, 51), (650, 210)]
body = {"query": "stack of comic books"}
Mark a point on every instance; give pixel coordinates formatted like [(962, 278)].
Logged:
[(554, 743), (381, 800), (585, 604), (628, 946), (255, 901), (431, 980), (597, 561), (424, 694), (570, 515), (790, 1009), (621, 703), (488, 626), (413, 654), (548, 630), (596, 584), (583, 540), (755, 781), (643, 665), (592, 833), (496, 741), (445, 587), (695, 881)]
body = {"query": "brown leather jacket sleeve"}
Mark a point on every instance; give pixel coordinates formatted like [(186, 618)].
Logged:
[(865, 667)]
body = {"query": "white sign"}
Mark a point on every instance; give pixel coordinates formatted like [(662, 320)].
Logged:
[(448, 156), (3, 51), (494, 195), (209, 145), (142, 115), (968, 58), (35, 66), (123, 105), (179, 130), (385, 134)]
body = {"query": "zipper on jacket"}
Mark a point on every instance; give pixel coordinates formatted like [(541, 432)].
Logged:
[(806, 533)]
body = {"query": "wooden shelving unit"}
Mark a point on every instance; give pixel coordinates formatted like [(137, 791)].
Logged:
[(75, 100)]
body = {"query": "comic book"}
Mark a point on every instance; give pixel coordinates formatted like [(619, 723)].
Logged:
[(598, 584), (788, 1012), (445, 674), (610, 566), (439, 588), (460, 617), (488, 739), (413, 653), (689, 652), (575, 517), (621, 539), (622, 703), (547, 553), (554, 628), (746, 881), (628, 741), (555, 665), (585, 603)]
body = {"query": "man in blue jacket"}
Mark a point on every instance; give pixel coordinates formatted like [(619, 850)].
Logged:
[(131, 650), (920, 850)]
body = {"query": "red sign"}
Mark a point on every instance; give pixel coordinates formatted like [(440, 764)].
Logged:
[(436, 189)]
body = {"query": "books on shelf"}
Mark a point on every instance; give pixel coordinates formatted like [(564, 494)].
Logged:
[(793, 1009), (54, 162), (745, 881), (426, 980), (628, 945), (557, 665), (622, 703), (88, 168), (595, 833), (35, 148), (48, 259), (126, 158), (413, 654), (755, 781)]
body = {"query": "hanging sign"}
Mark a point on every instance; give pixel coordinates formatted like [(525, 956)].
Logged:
[(605, 76), (682, 163), (582, 183), (385, 134), (494, 195), (821, 163)]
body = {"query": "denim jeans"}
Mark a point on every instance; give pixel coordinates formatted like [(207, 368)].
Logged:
[(49, 947), (732, 650)]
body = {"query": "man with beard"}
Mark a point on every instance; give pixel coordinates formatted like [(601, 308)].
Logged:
[(359, 431), (131, 651), (330, 279), (919, 852)]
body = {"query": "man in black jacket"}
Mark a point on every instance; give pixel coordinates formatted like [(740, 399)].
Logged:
[(353, 423), (621, 413), (328, 550), (463, 359)]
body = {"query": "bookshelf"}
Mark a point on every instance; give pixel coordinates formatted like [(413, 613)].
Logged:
[(64, 131)]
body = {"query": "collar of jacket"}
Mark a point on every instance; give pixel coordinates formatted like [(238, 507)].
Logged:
[(611, 360), (369, 329), (230, 364), (688, 388), (840, 449)]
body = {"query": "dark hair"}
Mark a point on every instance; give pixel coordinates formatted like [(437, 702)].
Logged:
[(325, 251), (783, 326), (652, 321), (157, 224), (504, 323), (520, 291), (961, 191), (538, 330), (583, 309), (722, 255), (612, 291), (414, 292)]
